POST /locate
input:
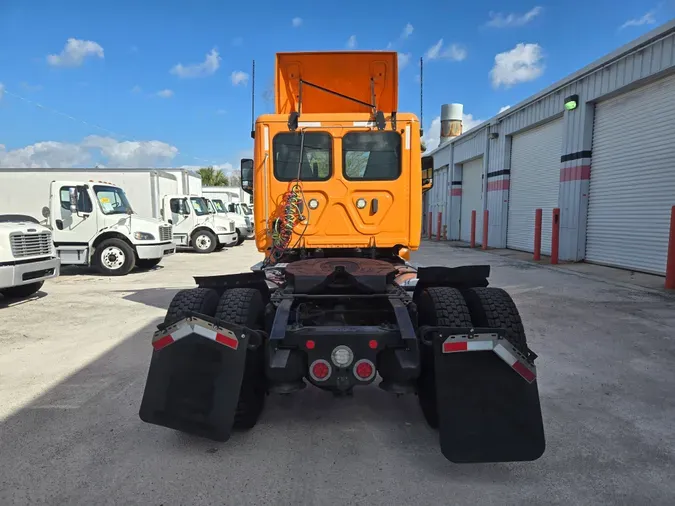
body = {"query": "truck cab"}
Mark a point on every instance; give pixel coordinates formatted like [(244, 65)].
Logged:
[(242, 224), (27, 256), (194, 226), (93, 224)]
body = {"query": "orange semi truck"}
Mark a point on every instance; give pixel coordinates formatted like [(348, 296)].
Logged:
[(337, 179)]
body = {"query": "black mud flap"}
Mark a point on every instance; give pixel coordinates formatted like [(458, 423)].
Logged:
[(195, 377), (487, 398)]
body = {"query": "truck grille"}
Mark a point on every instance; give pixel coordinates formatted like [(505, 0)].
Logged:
[(28, 245), (165, 233)]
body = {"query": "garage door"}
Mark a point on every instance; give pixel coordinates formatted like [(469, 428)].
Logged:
[(632, 184), (472, 191), (535, 183)]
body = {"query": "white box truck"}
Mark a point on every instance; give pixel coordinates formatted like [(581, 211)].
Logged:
[(93, 222), (27, 256), (220, 198), (175, 197)]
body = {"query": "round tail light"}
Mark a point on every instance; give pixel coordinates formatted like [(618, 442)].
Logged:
[(364, 370), (320, 370)]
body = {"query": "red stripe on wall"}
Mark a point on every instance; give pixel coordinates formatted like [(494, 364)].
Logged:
[(494, 186), (456, 192), (579, 173)]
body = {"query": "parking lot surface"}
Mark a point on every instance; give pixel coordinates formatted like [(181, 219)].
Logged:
[(73, 363)]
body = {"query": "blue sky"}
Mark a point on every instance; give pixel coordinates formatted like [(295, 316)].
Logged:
[(168, 82)]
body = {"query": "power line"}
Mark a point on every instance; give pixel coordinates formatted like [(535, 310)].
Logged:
[(92, 125)]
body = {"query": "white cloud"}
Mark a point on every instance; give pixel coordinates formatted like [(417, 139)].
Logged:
[(220, 112), (521, 64), (502, 109), (432, 135), (136, 89), (407, 31), (403, 59), (499, 20), (454, 52), (2, 90), (208, 67), (238, 77), (93, 150), (648, 19), (165, 93), (296, 22), (351, 42), (74, 53)]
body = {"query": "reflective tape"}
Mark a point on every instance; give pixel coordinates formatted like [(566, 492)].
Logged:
[(223, 336)]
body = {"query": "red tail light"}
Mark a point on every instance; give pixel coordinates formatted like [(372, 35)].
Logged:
[(364, 370), (320, 370)]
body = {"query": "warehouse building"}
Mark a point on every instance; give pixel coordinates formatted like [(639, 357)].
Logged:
[(599, 145)]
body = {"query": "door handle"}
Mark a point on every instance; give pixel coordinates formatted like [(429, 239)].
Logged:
[(373, 205)]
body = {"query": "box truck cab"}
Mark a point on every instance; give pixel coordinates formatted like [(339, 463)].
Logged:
[(219, 208), (27, 256), (94, 224), (194, 226)]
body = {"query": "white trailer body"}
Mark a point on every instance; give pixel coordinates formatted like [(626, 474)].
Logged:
[(94, 221), (189, 181)]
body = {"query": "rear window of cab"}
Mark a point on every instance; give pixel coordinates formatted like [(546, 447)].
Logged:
[(366, 156)]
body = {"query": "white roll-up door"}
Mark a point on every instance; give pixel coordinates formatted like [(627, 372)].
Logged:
[(535, 183), (632, 186), (472, 193)]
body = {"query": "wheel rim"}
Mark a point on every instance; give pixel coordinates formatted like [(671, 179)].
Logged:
[(113, 258), (203, 242)]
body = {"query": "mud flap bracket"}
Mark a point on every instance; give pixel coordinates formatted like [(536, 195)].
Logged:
[(195, 376), (487, 396)]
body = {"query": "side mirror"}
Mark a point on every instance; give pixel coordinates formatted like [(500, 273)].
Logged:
[(45, 212), (427, 173), (72, 192), (246, 178)]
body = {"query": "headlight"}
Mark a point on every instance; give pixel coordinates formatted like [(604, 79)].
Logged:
[(222, 229), (143, 236)]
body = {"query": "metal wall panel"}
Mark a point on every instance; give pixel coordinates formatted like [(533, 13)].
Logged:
[(472, 199), (470, 147), (535, 181), (633, 179)]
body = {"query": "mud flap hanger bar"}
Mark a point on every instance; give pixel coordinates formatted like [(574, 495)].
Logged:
[(462, 340), (225, 333), (380, 122)]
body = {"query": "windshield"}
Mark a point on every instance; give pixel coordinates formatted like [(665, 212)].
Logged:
[(245, 209), (112, 200), (199, 205), (369, 156), (220, 207)]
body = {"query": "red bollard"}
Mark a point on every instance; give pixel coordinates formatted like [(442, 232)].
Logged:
[(438, 225), (473, 229), (537, 234), (555, 235), (431, 224), (670, 258), (486, 215)]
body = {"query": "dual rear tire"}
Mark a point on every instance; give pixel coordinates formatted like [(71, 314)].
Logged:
[(241, 306), (475, 307)]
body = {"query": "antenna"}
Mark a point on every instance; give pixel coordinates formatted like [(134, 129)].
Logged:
[(421, 97), (253, 101)]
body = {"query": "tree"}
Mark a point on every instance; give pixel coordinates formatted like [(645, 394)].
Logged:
[(213, 177)]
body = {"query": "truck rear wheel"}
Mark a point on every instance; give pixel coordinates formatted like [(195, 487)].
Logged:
[(114, 257), (204, 241), (494, 307), (21, 291), (200, 300), (245, 306), (444, 307)]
